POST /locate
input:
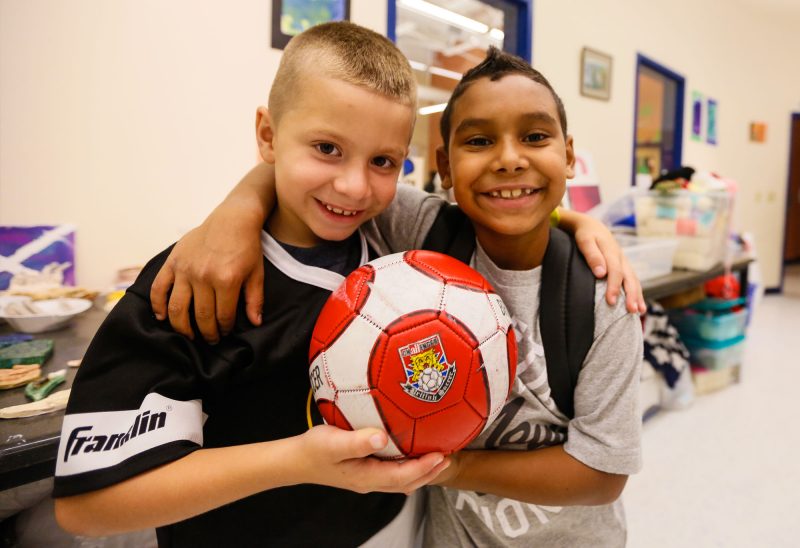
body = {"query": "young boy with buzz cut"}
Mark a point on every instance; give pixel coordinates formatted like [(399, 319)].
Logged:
[(539, 475), (210, 444)]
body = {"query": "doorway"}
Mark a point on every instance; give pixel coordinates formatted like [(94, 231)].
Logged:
[(443, 39), (790, 277), (658, 119)]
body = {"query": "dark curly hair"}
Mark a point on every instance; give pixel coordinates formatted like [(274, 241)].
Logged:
[(496, 65)]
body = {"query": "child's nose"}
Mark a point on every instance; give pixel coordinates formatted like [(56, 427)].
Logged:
[(353, 183), (511, 158)]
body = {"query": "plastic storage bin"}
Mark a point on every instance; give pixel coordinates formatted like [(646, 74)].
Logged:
[(699, 221), (715, 354), (649, 257), (712, 320), (707, 380)]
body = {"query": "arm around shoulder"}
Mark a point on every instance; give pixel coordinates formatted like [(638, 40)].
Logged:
[(210, 264)]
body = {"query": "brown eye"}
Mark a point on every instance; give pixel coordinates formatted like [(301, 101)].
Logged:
[(478, 142), (535, 137), (328, 149), (382, 161)]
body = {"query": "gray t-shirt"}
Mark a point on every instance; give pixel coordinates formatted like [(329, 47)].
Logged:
[(605, 433)]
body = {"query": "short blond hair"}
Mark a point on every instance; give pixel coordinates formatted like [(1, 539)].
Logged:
[(347, 52)]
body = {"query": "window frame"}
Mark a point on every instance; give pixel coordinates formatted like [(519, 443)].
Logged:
[(523, 29), (680, 88)]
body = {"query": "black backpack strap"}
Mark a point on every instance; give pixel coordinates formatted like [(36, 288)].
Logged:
[(451, 233), (566, 316)]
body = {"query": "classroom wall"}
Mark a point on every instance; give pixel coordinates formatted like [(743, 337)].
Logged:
[(743, 53), (133, 119)]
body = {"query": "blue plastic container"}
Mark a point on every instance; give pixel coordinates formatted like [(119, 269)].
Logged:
[(712, 320), (715, 354)]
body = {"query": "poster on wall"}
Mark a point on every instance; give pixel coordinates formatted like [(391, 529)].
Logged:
[(711, 126), (33, 252), (291, 17), (697, 116)]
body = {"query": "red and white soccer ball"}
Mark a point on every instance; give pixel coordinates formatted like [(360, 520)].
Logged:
[(418, 344)]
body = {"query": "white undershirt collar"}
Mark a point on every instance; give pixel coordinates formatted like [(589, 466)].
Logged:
[(312, 275)]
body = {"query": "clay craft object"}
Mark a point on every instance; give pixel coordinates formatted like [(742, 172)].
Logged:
[(52, 403), (14, 338), (19, 375), (40, 389), (36, 351)]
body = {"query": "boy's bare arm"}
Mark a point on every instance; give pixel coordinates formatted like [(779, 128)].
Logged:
[(548, 476), (210, 478), (604, 256), (211, 262)]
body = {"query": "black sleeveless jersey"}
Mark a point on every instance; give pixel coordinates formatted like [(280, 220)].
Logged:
[(145, 396)]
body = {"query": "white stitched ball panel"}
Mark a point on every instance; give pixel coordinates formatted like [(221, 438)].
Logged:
[(473, 309), (400, 289), (319, 379), (347, 359), (495, 360), (501, 312), (360, 410)]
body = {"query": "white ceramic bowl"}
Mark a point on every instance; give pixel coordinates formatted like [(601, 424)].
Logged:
[(8, 299), (46, 315)]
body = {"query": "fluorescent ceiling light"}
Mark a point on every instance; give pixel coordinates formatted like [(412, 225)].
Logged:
[(424, 111), (439, 71), (444, 72), (445, 15), (497, 34)]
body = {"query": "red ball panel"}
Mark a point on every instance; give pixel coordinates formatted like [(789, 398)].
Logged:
[(380, 352), (417, 349), (399, 426), (511, 341), (477, 389), (446, 269), (448, 431), (340, 309), (332, 415)]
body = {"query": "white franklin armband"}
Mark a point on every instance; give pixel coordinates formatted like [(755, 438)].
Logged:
[(93, 441)]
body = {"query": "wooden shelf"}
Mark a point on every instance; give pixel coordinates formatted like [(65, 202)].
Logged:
[(680, 280)]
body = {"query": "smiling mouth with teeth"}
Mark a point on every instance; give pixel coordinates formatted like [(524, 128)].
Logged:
[(512, 193), (344, 212)]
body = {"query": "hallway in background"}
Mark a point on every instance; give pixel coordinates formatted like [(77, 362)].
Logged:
[(724, 472)]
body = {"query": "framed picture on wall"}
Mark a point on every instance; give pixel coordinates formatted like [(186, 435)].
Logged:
[(711, 125), (595, 74), (697, 116), (291, 17)]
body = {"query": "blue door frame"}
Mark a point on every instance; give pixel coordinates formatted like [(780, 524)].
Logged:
[(523, 30), (680, 81)]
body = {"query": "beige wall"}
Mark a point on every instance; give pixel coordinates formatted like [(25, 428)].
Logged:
[(740, 55), (132, 119)]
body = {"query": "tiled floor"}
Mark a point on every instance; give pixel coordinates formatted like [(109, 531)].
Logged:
[(726, 471)]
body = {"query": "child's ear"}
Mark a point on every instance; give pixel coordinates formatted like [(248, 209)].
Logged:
[(265, 133), (570, 158), (443, 163)]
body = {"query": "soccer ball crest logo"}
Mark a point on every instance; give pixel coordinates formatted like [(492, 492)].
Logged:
[(415, 343), (429, 374)]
